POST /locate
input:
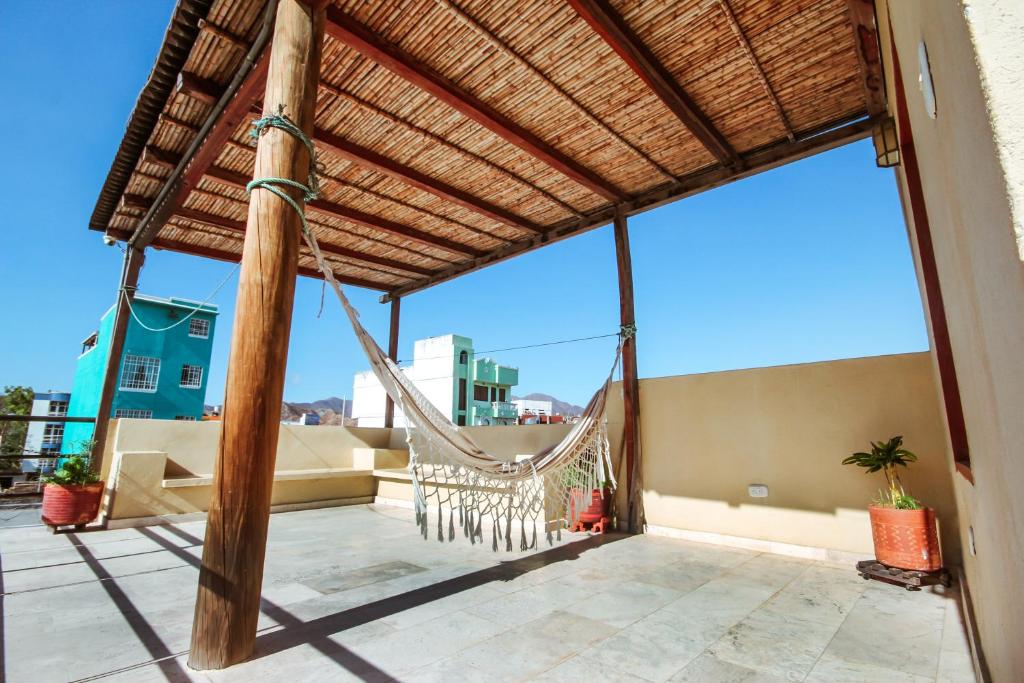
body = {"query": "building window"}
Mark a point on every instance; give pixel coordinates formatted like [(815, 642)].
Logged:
[(479, 392), (197, 327), (58, 408), (461, 421), (501, 394), (494, 394), (463, 358), (191, 376), (185, 418), (89, 343), (134, 413), (140, 373), (462, 394), (53, 433)]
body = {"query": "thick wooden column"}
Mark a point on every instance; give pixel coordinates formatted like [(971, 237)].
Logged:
[(133, 260), (630, 385), (231, 575), (389, 406)]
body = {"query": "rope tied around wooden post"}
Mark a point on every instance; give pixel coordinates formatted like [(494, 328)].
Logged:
[(627, 332)]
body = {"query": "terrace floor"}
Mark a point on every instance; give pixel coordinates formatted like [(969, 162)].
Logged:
[(353, 593)]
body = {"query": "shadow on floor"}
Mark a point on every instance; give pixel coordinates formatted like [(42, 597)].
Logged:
[(317, 632), (158, 650)]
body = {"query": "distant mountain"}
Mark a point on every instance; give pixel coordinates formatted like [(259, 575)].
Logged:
[(329, 410), (559, 407)]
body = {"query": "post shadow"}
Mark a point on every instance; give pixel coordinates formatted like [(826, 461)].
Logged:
[(317, 631)]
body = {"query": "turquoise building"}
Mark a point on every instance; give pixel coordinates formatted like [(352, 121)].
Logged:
[(162, 374)]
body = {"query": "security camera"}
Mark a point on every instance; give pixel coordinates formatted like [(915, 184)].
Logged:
[(109, 241)]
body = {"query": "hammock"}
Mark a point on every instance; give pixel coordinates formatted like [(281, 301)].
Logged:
[(452, 476)]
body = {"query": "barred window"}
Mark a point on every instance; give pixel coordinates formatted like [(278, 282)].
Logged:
[(53, 433), (480, 392), (197, 327), (185, 418), (140, 373), (191, 376), (136, 413)]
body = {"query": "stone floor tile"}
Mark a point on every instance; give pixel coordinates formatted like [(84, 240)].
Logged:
[(785, 647), (832, 669), (709, 669)]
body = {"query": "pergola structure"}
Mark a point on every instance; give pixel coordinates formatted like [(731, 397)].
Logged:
[(450, 135)]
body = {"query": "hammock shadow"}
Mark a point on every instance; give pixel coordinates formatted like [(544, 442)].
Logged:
[(317, 630)]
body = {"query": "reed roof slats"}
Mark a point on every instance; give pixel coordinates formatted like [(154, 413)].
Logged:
[(418, 188)]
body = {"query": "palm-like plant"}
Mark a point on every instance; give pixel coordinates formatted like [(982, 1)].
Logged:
[(887, 456)]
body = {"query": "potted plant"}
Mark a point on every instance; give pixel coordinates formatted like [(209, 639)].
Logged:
[(72, 494), (903, 530)]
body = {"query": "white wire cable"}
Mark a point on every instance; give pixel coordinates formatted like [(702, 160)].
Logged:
[(191, 313)]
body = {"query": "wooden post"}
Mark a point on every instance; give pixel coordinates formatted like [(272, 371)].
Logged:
[(389, 406), (630, 385), (228, 601), (133, 260)]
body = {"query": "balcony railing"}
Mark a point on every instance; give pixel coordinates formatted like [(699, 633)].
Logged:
[(504, 409)]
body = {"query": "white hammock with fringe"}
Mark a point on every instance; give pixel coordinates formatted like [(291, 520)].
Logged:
[(450, 473), (454, 478)]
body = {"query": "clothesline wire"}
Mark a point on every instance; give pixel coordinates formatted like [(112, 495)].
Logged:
[(519, 348)]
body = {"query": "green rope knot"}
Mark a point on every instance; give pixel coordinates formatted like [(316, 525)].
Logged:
[(627, 331), (309, 192)]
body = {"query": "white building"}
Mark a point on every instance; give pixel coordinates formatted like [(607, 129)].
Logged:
[(467, 390), (45, 438), (524, 405)]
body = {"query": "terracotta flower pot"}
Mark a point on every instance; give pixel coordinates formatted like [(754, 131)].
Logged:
[(907, 539), (71, 505), (598, 507)]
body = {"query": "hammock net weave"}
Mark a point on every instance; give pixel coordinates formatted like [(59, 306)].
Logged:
[(454, 481)]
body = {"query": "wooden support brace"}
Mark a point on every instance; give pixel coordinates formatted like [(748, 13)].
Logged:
[(630, 384)]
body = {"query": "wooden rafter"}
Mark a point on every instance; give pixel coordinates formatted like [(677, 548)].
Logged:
[(350, 32), (239, 180), (607, 23), (205, 91), (758, 69), (367, 158), (865, 35), (753, 163), (227, 123), (180, 247), (134, 201)]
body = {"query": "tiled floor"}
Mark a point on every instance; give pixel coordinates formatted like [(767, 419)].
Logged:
[(353, 593)]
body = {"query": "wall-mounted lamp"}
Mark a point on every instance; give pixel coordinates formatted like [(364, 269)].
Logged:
[(887, 143)]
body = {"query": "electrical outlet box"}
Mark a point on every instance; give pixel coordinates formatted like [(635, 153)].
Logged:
[(757, 491)]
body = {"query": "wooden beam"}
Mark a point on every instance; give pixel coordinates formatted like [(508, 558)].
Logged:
[(836, 134), (367, 158), (198, 88), (865, 35), (384, 225), (132, 265), (345, 213), (931, 285), (231, 117), (159, 157), (630, 383), (621, 38), (231, 575), (179, 247), (389, 405), (239, 227), (762, 77), (347, 30)]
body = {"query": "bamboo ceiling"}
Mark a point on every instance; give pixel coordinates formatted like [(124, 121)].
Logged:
[(455, 133)]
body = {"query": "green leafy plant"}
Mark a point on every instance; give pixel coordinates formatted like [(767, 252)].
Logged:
[(74, 470), (886, 457)]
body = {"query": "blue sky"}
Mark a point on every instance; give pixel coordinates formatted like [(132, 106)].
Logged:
[(808, 262)]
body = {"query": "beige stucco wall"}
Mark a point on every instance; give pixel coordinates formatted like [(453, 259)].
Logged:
[(706, 437), (972, 166)]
